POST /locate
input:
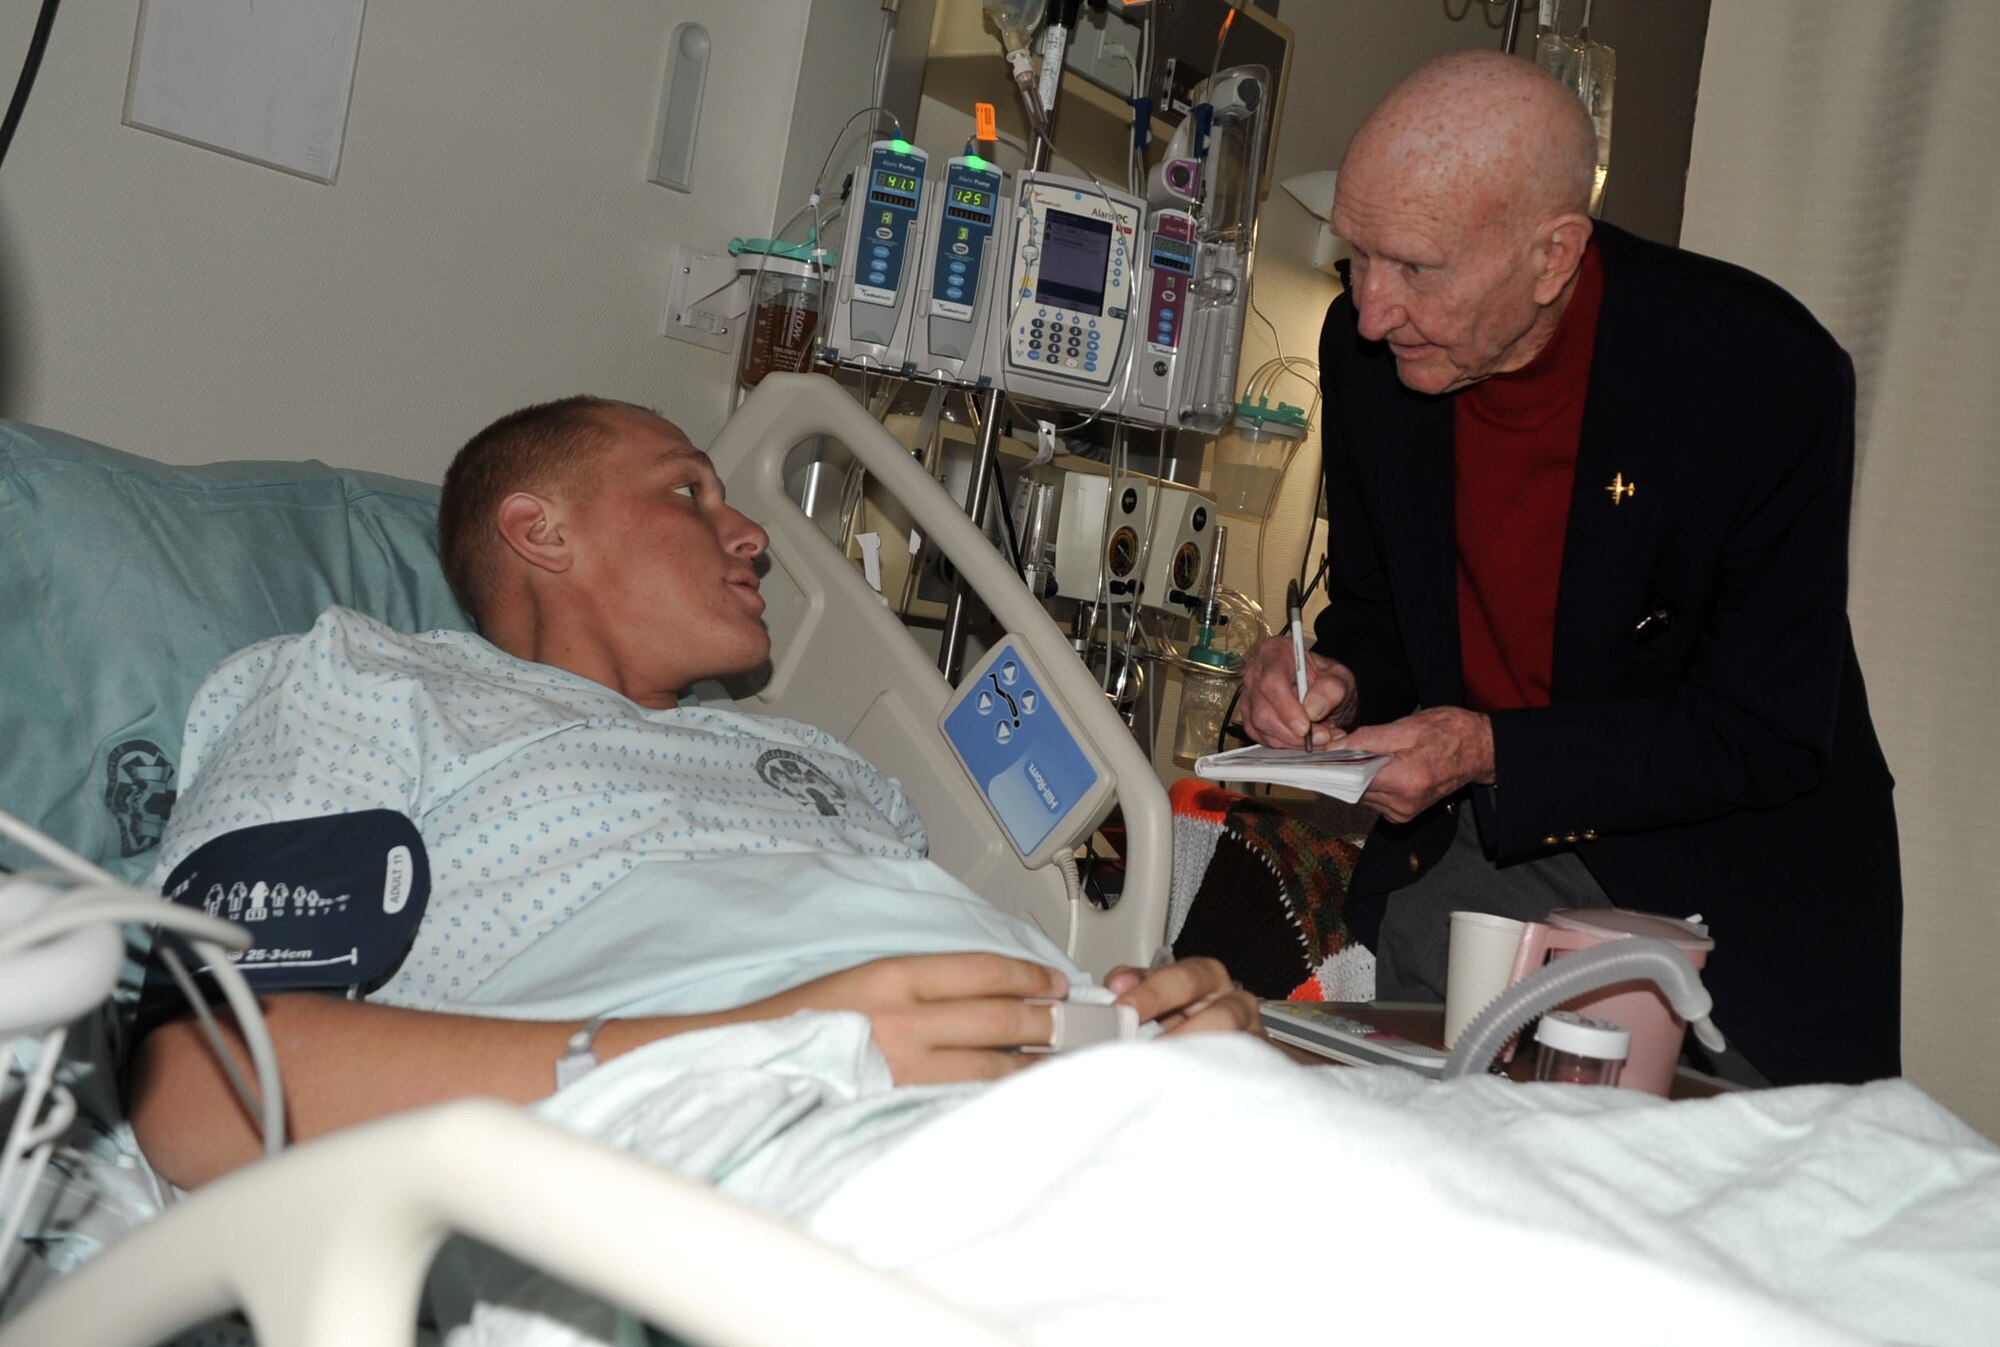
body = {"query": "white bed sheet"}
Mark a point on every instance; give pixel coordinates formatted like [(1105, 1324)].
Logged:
[(1206, 1190)]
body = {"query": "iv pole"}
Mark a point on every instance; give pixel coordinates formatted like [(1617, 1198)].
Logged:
[(951, 648)]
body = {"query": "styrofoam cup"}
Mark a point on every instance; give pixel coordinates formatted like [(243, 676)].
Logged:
[(1481, 959)]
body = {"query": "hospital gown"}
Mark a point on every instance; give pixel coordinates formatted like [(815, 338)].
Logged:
[(588, 855)]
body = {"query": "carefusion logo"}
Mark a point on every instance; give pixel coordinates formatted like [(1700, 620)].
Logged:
[(1043, 790)]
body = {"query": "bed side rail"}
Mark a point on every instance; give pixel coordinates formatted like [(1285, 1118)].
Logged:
[(887, 696), (318, 1260)]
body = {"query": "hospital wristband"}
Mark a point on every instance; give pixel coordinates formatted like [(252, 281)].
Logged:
[(578, 1060)]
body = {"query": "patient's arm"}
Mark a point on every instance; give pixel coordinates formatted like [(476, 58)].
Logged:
[(935, 1017)]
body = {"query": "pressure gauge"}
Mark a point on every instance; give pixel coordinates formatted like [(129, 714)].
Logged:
[(1123, 554)]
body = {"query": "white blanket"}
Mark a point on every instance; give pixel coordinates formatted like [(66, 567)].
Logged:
[(1210, 1190)]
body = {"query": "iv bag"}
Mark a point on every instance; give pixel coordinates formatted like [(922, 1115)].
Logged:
[(1017, 20), (1588, 69)]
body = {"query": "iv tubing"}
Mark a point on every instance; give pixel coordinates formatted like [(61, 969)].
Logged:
[(1626, 960)]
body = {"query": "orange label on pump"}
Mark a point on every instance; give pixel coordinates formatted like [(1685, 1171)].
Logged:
[(985, 127)]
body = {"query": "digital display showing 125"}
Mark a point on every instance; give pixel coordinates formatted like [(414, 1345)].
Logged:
[(896, 182), (966, 196)]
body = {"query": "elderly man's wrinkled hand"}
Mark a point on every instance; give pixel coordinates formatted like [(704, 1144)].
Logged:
[(1271, 710), (1437, 752), (1192, 996)]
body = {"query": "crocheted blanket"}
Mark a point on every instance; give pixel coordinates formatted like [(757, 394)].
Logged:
[(1262, 889)]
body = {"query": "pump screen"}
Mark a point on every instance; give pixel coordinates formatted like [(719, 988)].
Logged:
[(970, 203), (1075, 249), (1173, 254), (895, 189)]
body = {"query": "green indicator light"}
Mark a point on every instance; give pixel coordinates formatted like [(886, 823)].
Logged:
[(899, 145), (974, 161)]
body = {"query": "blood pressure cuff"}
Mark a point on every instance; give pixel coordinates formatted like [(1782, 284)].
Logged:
[(331, 904)]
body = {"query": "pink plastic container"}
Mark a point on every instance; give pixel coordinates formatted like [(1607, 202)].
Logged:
[(1639, 1006)]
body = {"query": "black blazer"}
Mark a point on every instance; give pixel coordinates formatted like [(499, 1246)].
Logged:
[(1708, 748)]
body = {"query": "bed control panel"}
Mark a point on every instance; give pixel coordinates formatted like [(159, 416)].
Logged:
[(1044, 783)]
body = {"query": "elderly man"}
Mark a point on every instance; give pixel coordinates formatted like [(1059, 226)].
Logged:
[(576, 863), (1588, 500)]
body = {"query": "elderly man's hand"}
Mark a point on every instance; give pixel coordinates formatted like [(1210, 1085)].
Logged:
[(1437, 752), (1193, 996), (1271, 710)]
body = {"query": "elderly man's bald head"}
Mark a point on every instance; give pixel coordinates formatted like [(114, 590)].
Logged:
[(1465, 197), (1479, 122)]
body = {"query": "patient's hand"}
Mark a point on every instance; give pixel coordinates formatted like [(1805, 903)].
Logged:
[(1192, 996), (942, 1017)]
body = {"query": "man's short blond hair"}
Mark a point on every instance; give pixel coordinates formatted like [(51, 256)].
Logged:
[(546, 448)]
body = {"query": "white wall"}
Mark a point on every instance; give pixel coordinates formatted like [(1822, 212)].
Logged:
[(491, 240)]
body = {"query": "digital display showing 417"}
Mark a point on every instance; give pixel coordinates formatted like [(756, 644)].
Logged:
[(896, 182)]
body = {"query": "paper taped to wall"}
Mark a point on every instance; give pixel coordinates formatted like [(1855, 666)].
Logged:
[(266, 82)]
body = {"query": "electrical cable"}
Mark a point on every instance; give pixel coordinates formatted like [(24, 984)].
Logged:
[(31, 1140), (102, 897), (210, 1029), (24, 84), (1007, 516)]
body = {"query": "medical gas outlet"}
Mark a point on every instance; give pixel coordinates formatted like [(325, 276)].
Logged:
[(1153, 547)]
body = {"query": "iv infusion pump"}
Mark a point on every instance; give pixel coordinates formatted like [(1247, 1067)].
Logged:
[(1058, 291), (1061, 318), (1170, 248), (877, 293), (962, 214)]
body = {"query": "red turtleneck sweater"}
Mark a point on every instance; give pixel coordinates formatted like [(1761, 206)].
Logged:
[(1514, 443)]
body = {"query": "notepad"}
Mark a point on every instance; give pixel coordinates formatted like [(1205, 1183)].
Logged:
[(1343, 773)]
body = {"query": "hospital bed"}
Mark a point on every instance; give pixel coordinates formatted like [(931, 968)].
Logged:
[(378, 555), (1036, 1210)]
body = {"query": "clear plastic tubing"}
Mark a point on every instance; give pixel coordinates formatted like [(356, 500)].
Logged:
[(1576, 975)]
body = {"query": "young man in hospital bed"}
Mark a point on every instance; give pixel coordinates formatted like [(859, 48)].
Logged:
[(594, 848)]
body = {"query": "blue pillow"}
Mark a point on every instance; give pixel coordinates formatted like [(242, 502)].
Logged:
[(124, 581)]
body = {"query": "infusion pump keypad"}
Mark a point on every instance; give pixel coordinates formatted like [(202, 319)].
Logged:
[(1050, 342)]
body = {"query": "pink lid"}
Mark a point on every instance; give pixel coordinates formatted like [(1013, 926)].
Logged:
[(1616, 921)]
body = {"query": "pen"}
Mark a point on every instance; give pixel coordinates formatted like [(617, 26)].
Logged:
[(1292, 605)]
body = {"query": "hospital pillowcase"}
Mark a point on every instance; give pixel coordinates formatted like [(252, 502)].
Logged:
[(124, 581)]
